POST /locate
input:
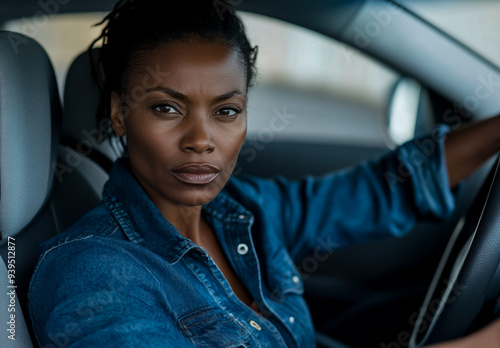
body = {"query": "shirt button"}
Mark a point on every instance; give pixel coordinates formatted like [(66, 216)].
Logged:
[(242, 249), (255, 325), (291, 320), (295, 279)]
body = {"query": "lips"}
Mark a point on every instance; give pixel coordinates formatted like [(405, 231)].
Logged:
[(196, 174)]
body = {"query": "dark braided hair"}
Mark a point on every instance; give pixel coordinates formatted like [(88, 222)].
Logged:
[(135, 27)]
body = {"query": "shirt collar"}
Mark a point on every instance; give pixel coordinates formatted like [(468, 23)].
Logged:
[(143, 223)]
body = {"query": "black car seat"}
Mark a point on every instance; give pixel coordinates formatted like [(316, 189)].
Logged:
[(44, 188), (81, 131)]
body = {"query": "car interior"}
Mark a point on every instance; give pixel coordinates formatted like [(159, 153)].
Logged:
[(396, 291)]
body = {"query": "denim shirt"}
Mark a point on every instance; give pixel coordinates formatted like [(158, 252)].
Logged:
[(123, 276)]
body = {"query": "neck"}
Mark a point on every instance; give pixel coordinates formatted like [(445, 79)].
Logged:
[(186, 219), (188, 222)]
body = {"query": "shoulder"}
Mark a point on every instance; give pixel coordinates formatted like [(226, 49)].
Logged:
[(92, 247), (87, 277), (99, 222), (95, 237), (86, 256), (84, 265)]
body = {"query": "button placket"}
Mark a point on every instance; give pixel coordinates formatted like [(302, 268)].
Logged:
[(242, 248)]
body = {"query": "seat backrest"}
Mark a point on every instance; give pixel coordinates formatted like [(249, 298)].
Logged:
[(81, 129), (30, 115), (44, 187)]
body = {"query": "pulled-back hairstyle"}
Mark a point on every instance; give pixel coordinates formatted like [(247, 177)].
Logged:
[(135, 27)]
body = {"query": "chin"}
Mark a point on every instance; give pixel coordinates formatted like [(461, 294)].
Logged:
[(197, 197)]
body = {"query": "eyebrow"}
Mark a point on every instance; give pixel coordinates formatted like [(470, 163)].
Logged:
[(183, 97)]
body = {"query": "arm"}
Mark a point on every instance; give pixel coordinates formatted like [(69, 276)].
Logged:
[(88, 295), (374, 199), (489, 337), (470, 146)]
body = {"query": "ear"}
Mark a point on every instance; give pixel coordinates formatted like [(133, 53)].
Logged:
[(117, 117)]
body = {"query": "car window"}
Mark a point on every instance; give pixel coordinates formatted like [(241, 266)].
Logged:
[(334, 93), (310, 88)]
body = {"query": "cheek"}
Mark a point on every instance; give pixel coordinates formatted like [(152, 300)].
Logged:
[(231, 147), (148, 138), (233, 140)]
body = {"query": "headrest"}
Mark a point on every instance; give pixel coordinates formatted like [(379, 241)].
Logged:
[(80, 127), (30, 115)]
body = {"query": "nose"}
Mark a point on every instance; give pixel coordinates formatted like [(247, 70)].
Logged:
[(197, 136)]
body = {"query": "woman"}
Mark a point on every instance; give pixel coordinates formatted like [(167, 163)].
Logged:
[(180, 254)]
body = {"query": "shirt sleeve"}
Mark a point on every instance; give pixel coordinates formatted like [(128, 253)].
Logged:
[(373, 199), (90, 295)]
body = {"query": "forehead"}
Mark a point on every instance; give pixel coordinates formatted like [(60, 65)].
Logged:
[(191, 65)]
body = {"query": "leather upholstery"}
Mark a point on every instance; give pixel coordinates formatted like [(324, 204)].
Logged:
[(29, 117), (81, 106)]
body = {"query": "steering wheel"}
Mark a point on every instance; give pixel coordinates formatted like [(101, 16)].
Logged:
[(463, 292)]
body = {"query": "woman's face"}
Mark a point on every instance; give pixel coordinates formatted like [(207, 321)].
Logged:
[(185, 120)]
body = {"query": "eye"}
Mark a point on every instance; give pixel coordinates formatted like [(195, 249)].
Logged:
[(164, 108), (228, 112)]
